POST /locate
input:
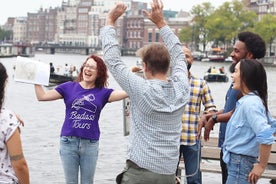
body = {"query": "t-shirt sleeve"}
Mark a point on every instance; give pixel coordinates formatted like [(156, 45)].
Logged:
[(107, 94), (9, 122), (62, 88)]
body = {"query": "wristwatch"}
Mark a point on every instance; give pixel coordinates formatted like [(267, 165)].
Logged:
[(214, 118)]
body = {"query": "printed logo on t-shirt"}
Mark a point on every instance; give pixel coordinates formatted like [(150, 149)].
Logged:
[(77, 115)]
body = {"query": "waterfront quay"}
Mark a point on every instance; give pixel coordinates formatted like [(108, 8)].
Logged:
[(82, 50)]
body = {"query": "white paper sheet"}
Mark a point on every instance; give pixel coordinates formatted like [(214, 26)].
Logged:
[(31, 71)]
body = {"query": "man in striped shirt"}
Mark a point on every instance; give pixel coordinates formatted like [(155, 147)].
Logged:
[(157, 101)]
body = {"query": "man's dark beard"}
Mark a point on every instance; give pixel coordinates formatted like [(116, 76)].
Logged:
[(232, 67), (189, 66)]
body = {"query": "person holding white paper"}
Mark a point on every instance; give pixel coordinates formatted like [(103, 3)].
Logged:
[(84, 99)]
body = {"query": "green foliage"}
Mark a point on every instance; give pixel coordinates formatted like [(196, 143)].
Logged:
[(221, 26), (5, 35), (201, 14), (229, 19), (266, 27), (186, 35)]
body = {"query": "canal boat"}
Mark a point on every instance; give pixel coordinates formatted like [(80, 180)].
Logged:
[(216, 77), (56, 79)]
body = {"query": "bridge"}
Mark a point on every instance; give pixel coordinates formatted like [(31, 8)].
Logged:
[(56, 48), (83, 50)]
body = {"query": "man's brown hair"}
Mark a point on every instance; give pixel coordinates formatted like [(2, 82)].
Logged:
[(156, 57)]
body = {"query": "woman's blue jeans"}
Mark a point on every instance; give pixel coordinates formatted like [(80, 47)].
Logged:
[(239, 168), (78, 154), (192, 159)]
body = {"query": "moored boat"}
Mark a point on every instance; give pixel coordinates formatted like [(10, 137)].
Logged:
[(58, 79), (216, 77)]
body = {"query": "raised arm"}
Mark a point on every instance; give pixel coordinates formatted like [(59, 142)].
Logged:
[(43, 95), (178, 60)]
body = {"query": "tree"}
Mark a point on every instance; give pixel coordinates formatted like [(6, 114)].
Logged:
[(229, 19), (201, 14), (186, 35), (5, 35), (266, 27)]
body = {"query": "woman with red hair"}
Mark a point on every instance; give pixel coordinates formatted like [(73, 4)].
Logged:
[(84, 99)]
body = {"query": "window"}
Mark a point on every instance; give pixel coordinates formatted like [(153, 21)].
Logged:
[(156, 37), (149, 37)]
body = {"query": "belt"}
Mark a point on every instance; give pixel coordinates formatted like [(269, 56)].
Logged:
[(132, 164)]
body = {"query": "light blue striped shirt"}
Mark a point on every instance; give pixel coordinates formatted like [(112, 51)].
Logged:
[(248, 127), (156, 106)]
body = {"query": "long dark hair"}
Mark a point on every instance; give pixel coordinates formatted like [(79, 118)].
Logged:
[(253, 75), (102, 76), (3, 79)]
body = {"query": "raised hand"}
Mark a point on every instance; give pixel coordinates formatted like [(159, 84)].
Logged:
[(115, 13), (156, 14)]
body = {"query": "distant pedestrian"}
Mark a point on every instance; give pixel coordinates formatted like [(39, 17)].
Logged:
[(52, 68), (213, 70), (221, 70), (73, 71), (66, 70)]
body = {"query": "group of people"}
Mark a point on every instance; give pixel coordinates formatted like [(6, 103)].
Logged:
[(67, 70), (249, 137), (246, 125), (165, 121), (213, 70)]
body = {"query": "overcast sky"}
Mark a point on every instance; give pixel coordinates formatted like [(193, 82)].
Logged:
[(18, 8)]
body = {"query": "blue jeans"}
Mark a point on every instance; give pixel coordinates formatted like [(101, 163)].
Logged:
[(239, 168), (192, 159), (77, 153)]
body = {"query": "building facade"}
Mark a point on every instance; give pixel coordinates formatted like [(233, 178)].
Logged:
[(78, 23)]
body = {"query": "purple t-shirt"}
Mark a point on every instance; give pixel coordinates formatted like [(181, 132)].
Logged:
[(83, 108)]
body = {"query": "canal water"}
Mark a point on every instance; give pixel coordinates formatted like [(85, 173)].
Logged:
[(43, 121)]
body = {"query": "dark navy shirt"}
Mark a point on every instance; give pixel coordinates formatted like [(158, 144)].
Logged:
[(230, 102)]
